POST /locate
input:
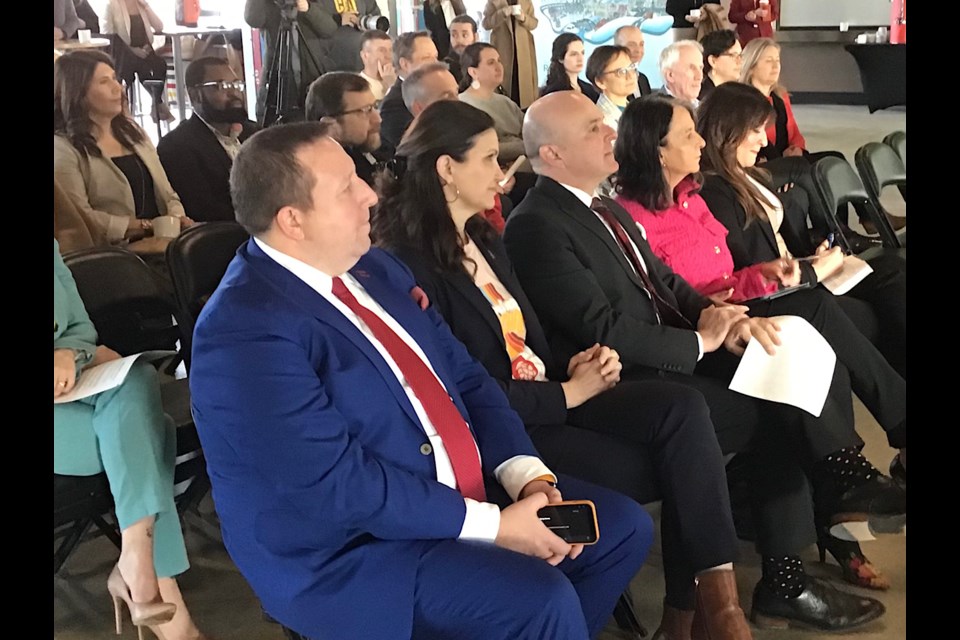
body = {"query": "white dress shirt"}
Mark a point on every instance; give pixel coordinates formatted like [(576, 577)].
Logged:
[(482, 520), (587, 199), (376, 86)]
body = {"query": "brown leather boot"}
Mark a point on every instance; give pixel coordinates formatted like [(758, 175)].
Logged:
[(675, 624), (718, 615)]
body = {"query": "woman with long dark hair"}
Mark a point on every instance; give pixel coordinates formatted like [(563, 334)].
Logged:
[(482, 74), (659, 152), (566, 62), (102, 159), (447, 173)]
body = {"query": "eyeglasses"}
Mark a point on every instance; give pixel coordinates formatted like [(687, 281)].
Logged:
[(367, 110), (735, 56), (623, 72), (226, 85)]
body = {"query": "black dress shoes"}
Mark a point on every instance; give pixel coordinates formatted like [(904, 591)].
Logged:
[(898, 472), (878, 506), (820, 606)]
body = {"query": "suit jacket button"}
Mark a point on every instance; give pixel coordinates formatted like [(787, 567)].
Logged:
[(426, 449)]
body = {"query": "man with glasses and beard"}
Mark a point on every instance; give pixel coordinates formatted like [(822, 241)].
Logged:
[(198, 154), (346, 100)]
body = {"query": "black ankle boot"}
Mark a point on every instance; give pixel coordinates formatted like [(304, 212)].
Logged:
[(878, 506), (819, 606)]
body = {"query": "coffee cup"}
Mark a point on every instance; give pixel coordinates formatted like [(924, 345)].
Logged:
[(694, 13), (516, 9), (166, 226), (83, 35)]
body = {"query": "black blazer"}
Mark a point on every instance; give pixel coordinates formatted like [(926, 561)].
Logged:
[(643, 82), (396, 117), (199, 169), (584, 290), (588, 89), (756, 242), (473, 322)]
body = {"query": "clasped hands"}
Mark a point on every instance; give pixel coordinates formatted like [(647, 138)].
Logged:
[(591, 372)]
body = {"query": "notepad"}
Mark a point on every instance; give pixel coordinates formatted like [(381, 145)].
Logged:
[(854, 270)]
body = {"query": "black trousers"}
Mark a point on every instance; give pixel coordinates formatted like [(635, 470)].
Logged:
[(876, 383), (130, 65), (884, 295), (654, 439)]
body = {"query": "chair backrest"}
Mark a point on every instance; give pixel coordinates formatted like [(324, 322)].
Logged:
[(880, 167), (898, 142), (197, 260), (124, 300), (838, 187)]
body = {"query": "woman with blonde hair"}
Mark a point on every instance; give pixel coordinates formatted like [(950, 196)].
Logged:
[(786, 156)]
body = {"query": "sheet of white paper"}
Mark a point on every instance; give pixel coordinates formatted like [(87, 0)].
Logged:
[(106, 376), (854, 270), (798, 374)]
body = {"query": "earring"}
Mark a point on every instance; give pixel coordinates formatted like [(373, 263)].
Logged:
[(475, 84), (455, 198)]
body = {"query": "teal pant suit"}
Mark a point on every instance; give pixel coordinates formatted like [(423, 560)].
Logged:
[(122, 432)]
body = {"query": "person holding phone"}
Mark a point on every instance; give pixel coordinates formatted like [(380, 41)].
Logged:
[(371, 479), (573, 411)]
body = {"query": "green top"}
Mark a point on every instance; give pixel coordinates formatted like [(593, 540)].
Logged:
[(72, 328)]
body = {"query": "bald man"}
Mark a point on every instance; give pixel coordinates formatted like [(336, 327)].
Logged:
[(591, 277), (631, 37)]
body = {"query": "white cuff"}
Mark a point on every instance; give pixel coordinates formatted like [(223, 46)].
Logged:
[(117, 227), (514, 474), (481, 523), (699, 345)]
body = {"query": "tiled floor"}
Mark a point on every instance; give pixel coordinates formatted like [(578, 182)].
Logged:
[(224, 606)]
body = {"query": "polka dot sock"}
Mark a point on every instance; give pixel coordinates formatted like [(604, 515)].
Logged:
[(783, 575), (847, 468)]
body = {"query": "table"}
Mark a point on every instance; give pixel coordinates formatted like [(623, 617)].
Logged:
[(71, 45), (883, 72), (176, 33)]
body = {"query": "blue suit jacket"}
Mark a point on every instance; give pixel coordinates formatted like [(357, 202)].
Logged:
[(324, 494)]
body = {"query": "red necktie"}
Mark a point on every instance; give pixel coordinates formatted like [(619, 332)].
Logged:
[(666, 312), (456, 436)]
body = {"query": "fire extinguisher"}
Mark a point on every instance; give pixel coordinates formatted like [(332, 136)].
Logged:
[(898, 22), (187, 12)]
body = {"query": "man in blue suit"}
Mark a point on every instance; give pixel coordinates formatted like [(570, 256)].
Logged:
[(352, 442)]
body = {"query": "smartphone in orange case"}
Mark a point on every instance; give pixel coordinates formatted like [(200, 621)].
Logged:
[(575, 521)]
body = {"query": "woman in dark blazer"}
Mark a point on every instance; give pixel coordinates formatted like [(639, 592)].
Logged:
[(427, 216), (877, 305)]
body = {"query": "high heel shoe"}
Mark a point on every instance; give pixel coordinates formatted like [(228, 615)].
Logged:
[(854, 566), (141, 613)]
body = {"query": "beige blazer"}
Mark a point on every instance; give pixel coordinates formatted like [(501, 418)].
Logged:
[(101, 190), (512, 44), (116, 19)]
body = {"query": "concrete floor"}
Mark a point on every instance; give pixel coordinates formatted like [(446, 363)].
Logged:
[(224, 606)]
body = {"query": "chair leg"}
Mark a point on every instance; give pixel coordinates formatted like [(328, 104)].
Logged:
[(108, 530), (626, 618), (70, 541)]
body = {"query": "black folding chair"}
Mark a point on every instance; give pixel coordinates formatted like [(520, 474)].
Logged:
[(132, 313), (880, 167), (838, 188), (197, 260)]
